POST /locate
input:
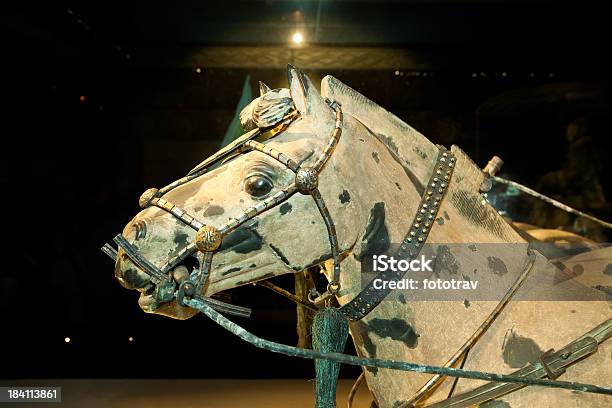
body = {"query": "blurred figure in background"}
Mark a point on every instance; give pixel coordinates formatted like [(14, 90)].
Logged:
[(576, 184)]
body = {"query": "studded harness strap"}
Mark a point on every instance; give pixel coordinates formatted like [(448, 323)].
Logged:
[(208, 238), (409, 249)]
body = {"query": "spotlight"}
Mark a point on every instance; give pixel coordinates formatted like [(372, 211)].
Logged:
[(130, 339), (297, 38), (67, 339), (198, 70)]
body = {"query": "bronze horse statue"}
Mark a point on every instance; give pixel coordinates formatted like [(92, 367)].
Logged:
[(244, 206)]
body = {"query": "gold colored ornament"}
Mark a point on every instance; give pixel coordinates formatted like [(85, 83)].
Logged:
[(146, 197), (208, 238)]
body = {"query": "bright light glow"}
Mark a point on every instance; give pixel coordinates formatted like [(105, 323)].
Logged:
[(198, 70), (297, 38), (67, 339), (130, 339)]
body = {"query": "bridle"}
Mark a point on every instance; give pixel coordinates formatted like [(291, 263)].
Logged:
[(208, 237)]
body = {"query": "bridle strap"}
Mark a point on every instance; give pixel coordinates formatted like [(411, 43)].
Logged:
[(411, 245)]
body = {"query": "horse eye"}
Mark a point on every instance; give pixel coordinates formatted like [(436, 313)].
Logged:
[(258, 186)]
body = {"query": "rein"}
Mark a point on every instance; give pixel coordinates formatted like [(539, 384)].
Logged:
[(392, 364)]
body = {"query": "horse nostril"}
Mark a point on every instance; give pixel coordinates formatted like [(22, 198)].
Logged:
[(141, 229), (128, 275)]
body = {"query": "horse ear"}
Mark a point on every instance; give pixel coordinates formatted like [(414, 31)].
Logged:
[(263, 88), (305, 96)]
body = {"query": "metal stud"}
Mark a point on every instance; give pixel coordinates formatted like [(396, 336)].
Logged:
[(306, 180), (208, 238), (146, 197)]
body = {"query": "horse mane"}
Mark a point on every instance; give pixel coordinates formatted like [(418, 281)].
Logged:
[(414, 151)]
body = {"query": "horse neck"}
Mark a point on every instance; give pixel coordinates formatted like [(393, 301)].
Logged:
[(415, 151), (385, 194)]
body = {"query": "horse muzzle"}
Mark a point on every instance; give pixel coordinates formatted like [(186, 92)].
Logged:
[(129, 275)]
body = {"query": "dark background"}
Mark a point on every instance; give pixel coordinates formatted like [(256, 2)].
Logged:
[(103, 100)]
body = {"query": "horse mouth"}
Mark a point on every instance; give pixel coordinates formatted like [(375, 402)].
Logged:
[(246, 263), (148, 289), (147, 301), (184, 270)]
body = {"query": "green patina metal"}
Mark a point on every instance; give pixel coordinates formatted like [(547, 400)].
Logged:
[(381, 363), (329, 334)]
